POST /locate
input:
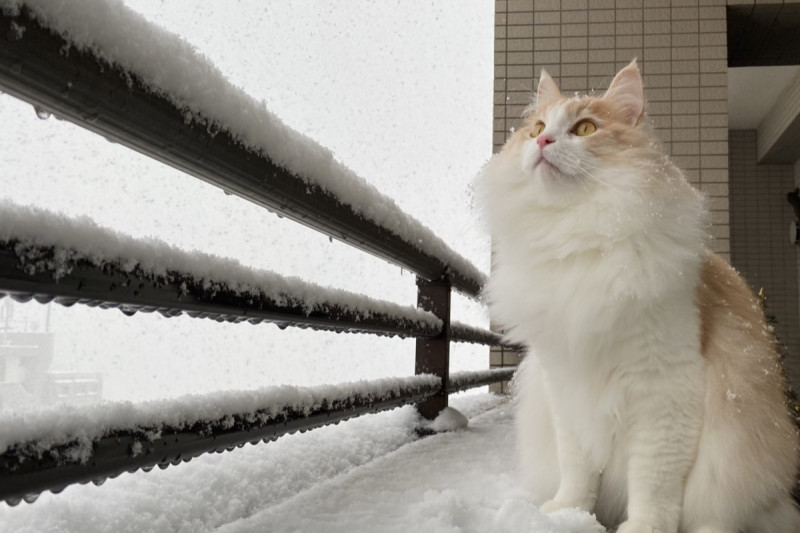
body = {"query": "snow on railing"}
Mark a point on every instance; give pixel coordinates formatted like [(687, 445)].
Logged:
[(69, 431), (67, 445), (459, 381), (105, 68), (75, 259), (465, 333), (48, 256)]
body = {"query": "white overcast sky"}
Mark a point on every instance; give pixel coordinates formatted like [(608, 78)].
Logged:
[(400, 91)]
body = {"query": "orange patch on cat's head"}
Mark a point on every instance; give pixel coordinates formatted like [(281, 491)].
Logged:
[(615, 131), (614, 128), (618, 115)]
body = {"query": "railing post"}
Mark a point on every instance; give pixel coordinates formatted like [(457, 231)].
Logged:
[(433, 354)]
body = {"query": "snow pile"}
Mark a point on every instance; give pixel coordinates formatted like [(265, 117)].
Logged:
[(369, 474), (78, 427), (519, 514), (171, 67), (449, 420), (31, 229)]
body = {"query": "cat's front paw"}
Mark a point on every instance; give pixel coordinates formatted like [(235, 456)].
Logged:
[(634, 526), (553, 505)]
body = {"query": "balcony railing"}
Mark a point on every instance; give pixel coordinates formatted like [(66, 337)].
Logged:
[(120, 104)]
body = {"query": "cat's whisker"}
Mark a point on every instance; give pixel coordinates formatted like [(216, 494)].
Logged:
[(584, 169), (585, 173)]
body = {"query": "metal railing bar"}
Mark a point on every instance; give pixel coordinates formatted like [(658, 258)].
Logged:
[(108, 286), (31, 467), (174, 293), (460, 381), (107, 100), (460, 332), (28, 468)]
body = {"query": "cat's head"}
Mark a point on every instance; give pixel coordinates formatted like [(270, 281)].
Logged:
[(585, 173), (574, 145)]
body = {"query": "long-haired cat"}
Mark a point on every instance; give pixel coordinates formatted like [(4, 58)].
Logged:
[(653, 395)]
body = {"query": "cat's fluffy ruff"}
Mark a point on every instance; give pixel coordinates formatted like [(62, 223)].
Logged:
[(653, 394)]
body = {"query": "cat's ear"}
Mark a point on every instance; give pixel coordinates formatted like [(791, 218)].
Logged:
[(626, 93), (547, 92)]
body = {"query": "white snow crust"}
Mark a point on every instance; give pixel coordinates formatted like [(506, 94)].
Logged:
[(81, 238), (171, 67), (40, 430), (449, 419), (370, 474)]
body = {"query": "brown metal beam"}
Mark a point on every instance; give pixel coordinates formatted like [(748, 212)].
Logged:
[(176, 293), (433, 353)]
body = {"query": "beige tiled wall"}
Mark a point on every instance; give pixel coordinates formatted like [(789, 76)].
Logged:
[(761, 250), (797, 173), (681, 46)]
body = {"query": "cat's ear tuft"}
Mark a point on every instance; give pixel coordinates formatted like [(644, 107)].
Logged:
[(626, 93), (547, 92)]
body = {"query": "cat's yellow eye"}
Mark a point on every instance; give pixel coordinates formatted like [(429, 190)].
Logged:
[(584, 128), (537, 128)]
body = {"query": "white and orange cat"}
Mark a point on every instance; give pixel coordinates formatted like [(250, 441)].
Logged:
[(653, 395)]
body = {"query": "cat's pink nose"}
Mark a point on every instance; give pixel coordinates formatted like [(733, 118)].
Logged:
[(544, 140)]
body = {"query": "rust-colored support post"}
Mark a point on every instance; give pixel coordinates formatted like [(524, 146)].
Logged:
[(433, 353)]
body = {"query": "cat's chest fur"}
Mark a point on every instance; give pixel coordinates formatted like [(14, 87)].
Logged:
[(604, 314), (577, 292)]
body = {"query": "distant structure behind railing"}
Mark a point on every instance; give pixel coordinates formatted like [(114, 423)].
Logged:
[(26, 357)]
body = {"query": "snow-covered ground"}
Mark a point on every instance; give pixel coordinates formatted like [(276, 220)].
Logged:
[(367, 475), (452, 482)]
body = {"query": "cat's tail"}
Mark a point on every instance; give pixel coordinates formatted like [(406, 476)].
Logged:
[(536, 444)]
